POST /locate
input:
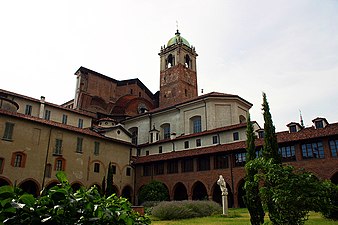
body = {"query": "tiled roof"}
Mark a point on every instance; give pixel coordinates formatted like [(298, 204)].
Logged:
[(46, 103), (282, 137), (86, 131)]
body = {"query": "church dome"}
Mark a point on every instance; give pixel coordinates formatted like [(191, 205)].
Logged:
[(178, 39)]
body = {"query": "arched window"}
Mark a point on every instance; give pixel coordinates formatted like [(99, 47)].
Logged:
[(48, 170), (166, 130), (18, 159), (196, 124), (187, 61), (60, 164), (170, 61)]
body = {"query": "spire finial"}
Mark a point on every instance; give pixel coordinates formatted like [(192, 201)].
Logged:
[(177, 32)]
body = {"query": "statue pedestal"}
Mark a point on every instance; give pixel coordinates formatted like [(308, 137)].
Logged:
[(225, 204)]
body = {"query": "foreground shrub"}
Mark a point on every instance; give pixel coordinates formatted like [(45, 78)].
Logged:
[(60, 205), (185, 209)]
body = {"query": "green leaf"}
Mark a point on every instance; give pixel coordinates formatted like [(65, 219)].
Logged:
[(62, 177), (27, 199)]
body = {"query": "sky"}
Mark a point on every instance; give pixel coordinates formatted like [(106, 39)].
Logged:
[(285, 48)]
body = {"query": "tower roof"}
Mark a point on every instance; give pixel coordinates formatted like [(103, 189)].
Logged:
[(178, 39)]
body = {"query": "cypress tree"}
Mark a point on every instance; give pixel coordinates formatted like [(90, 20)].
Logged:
[(109, 188), (252, 199), (270, 147)]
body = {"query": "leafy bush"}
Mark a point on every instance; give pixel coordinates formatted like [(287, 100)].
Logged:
[(60, 205), (185, 209), (330, 211), (154, 191)]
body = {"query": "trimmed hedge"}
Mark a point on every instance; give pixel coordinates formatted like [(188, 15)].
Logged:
[(175, 210)]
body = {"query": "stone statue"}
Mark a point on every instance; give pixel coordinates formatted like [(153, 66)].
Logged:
[(222, 185)]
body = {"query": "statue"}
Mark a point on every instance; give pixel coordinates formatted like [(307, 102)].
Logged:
[(222, 185)]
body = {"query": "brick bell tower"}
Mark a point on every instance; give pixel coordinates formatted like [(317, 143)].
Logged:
[(178, 78)]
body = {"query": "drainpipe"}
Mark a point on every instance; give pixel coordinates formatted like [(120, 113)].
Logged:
[(205, 114), (46, 160)]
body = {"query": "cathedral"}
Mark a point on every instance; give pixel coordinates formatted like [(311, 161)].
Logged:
[(175, 136)]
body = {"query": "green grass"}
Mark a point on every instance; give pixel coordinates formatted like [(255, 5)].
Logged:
[(237, 217)]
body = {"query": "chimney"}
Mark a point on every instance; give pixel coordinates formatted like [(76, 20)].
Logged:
[(42, 107)]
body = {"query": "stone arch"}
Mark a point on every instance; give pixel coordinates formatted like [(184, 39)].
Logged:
[(127, 192), (98, 186), (180, 192), (5, 181), (241, 194), (51, 184), (217, 195), (334, 178), (242, 119), (199, 191), (76, 185), (170, 61), (30, 186)]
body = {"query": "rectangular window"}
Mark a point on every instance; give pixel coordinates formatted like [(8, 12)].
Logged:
[(128, 172), (187, 165), (2, 160), (293, 129), (138, 152), (235, 136), (159, 168), (96, 167), (198, 142), (64, 119), (80, 123), (215, 139), (172, 166), (96, 148), (58, 147), (113, 168), (221, 161), (147, 152), (8, 134), (313, 150), (47, 115), (147, 170), (334, 148), (203, 163), (240, 159), (319, 124), (79, 145), (160, 149), (28, 110), (287, 153), (186, 144)]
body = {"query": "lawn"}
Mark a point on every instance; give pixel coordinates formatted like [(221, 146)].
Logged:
[(238, 217)]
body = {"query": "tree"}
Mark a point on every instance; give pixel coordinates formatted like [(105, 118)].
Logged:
[(154, 191), (110, 187), (270, 147), (252, 199)]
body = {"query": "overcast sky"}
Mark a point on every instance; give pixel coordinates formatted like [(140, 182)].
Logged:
[(286, 48)]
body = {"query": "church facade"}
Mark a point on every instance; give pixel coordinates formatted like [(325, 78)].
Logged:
[(174, 135)]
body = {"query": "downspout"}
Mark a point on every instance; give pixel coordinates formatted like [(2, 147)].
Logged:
[(232, 175), (47, 154), (205, 114)]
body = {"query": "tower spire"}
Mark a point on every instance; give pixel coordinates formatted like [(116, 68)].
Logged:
[(177, 31), (301, 118)]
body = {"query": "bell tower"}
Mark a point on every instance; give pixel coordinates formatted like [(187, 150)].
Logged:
[(178, 78)]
